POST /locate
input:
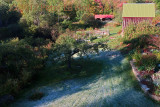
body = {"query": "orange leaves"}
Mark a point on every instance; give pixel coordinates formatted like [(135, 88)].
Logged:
[(156, 20)]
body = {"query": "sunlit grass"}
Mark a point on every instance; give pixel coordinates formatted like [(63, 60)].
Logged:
[(114, 30), (114, 40)]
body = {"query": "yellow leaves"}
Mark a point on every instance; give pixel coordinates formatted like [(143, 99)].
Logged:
[(15, 40)]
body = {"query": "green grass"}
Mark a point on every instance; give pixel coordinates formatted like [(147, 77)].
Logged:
[(115, 43), (112, 43), (114, 86), (113, 30), (104, 39), (112, 83), (60, 72)]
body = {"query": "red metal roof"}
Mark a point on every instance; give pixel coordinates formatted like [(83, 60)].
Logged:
[(104, 16)]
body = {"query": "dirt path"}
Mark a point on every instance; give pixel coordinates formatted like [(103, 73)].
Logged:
[(113, 87)]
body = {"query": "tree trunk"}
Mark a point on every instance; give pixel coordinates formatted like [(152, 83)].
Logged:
[(0, 22), (69, 62)]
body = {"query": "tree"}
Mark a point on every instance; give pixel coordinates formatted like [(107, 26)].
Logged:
[(107, 9), (96, 7), (70, 44), (38, 17), (8, 16), (158, 3), (70, 11)]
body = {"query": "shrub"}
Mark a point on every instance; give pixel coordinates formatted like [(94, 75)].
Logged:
[(148, 62), (42, 32), (10, 31), (154, 41), (89, 29), (137, 56), (141, 36), (18, 63), (90, 20), (66, 23), (119, 32), (93, 38), (116, 24), (143, 28), (4, 32), (32, 29), (157, 92), (129, 31), (118, 16), (157, 53), (54, 33), (87, 18), (18, 55), (26, 76), (156, 20), (156, 79), (81, 22), (11, 86), (36, 96)]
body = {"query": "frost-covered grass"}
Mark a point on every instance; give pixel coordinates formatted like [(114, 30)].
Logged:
[(115, 86), (81, 67)]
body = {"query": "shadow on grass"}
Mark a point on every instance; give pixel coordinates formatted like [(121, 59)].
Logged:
[(138, 43), (80, 68), (129, 98), (115, 70)]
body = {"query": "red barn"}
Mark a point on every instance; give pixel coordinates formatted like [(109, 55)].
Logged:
[(137, 12)]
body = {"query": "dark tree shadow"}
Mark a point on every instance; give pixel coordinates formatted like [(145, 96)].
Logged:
[(128, 97)]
